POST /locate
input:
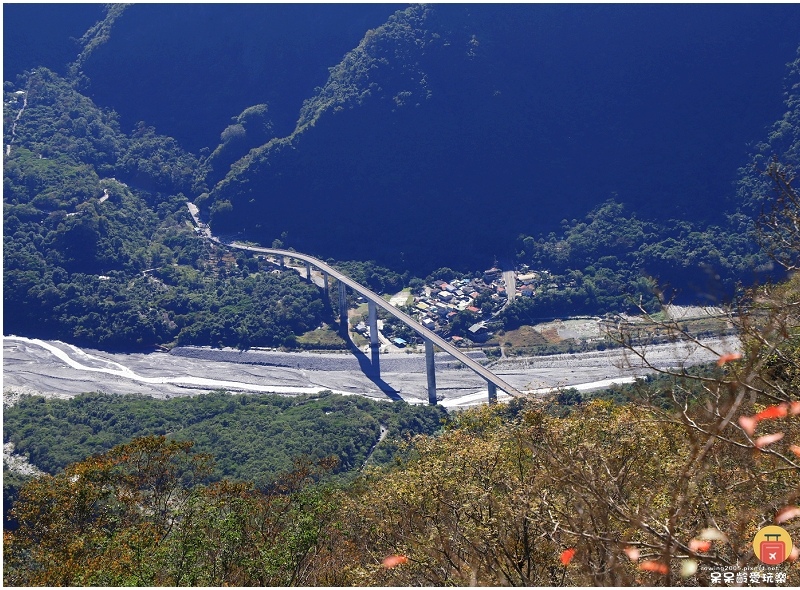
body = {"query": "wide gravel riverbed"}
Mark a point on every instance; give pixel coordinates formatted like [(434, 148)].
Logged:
[(54, 368)]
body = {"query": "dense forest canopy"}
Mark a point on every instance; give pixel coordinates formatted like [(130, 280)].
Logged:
[(255, 438), (663, 482), (77, 269)]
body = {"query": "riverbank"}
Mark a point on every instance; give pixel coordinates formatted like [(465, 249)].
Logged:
[(54, 368)]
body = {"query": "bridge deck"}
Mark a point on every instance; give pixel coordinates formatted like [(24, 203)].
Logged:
[(383, 304)]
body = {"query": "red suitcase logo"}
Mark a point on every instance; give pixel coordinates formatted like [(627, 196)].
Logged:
[(773, 550)]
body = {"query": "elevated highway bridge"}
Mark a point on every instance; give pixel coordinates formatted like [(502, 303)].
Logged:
[(374, 301)]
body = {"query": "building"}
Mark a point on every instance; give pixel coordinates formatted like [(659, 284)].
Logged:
[(492, 274), (478, 332)]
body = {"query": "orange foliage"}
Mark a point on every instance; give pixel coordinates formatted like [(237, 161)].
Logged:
[(772, 412), (654, 566), (394, 560), (728, 357), (567, 555), (699, 546)]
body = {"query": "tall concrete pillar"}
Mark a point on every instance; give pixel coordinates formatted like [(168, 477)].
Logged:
[(327, 292), (430, 368), (492, 393), (308, 271), (343, 308), (373, 324), (281, 260)]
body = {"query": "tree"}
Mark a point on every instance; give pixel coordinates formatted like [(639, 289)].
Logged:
[(138, 515), (99, 521), (725, 481), (666, 490)]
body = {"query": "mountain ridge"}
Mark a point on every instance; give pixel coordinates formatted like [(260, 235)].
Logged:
[(473, 148)]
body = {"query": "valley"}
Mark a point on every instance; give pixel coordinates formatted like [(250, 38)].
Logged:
[(60, 370), (267, 267)]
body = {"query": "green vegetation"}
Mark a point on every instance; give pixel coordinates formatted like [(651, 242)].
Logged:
[(641, 486), (249, 130), (324, 338), (562, 491), (79, 269), (568, 493), (373, 276), (254, 438), (189, 534), (99, 248), (612, 261)]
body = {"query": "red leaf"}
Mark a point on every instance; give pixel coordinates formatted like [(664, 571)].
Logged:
[(763, 441), (699, 546), (567, 555), (632, 553), (772, 412), (787, 513), (394, 560), (654, 566), (748, 424), (726, 358)]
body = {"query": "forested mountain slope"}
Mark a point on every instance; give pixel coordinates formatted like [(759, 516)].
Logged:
[(188, 69), (667, 485), (437, 141), (531, 115), (99, 247), (450, 130)]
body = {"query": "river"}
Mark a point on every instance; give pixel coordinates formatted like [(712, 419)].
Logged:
[(54, 368)]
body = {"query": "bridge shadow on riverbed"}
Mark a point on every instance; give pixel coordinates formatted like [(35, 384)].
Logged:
[(371, 367)]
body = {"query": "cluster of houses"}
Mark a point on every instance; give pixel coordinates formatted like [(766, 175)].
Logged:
[(530, 282), (436, 305)]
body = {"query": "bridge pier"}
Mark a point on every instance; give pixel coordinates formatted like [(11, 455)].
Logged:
[(282, 262), (343, 327), (374, 342), (308, 271), (430, 369), (327, 293), (492, 392)]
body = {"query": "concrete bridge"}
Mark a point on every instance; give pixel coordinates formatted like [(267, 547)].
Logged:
[(374, 301)]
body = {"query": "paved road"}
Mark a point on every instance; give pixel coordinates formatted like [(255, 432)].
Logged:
[(383, 304), (510, 279)]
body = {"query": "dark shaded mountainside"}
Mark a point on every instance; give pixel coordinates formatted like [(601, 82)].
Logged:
[(449, 135), (205, 63), (450, 129), (665, 482)]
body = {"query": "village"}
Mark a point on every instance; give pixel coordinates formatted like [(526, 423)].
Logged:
[(464, 311), (467, 313)]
